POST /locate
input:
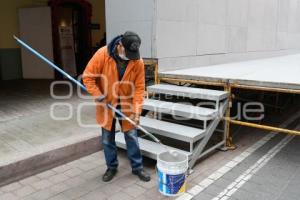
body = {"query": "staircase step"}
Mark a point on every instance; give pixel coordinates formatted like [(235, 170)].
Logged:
[(171, 130), (148, 148), (197, 93), (183, 110)]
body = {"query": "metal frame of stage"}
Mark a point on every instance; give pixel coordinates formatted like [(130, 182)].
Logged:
[(228, 84)]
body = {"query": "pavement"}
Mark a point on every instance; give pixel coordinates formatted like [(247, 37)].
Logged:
[(278, 178), (264, 166), (81, 179), (26, 122), (268, 169), (31, 139), (271, 172)]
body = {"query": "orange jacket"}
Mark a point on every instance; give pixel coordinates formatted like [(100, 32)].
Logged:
[(101, 78)]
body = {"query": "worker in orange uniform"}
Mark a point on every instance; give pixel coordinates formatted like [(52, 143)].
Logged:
[(115, 75)]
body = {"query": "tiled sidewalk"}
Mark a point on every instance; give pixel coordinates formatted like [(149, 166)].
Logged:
[(270, 173), (31, 140), (81, 179), (26, 122)]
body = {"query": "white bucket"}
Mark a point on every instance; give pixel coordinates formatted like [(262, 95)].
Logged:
[(171, 172)]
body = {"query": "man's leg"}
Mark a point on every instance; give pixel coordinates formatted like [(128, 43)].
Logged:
[(133, 150), (134, 155), (110, 152)]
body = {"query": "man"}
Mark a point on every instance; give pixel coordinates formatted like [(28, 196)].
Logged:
[(115, 75)]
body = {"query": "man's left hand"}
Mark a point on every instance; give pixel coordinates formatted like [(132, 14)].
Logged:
[(136, 118)]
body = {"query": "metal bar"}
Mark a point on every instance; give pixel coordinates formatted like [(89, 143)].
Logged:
[(228, 87), (221, 84), (191, 146), (217, 105), (224, 135), (260, 88), (229, 142), (210, 130), (156, 81), (249, 100), (212, 149), (233, 85), (219, 130), (264, 127), (205, 124)]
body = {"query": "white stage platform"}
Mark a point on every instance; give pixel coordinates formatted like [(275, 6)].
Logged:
[(277, 72)]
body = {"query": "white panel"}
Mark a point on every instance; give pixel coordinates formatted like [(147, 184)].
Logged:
[(177, 10), (238, 12), (213, 11), (255, 40), (174, 63), (259, 40), (237, 39), (271, 72), (294, 17), (271, 15), (35, 29), (283, 15), (282, 40), (176, 38), (182, 62), (211, 39), (178, 31), (133, 15), (237, 57), (229, 57), (129, 10), (269, 40), (142, 28), (294, 40), (256, 14)]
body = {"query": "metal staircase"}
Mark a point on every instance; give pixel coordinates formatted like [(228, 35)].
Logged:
[(178, 130)]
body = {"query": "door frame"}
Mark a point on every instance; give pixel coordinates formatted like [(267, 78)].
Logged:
[(87, 9)]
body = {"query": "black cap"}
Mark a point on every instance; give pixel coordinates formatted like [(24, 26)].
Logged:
[(131, 42)]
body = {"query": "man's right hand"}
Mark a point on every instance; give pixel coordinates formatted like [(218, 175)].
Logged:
[(100, 99)]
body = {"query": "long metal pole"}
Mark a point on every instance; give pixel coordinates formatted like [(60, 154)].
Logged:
[(264, 127), (198, 82), (261, 88), (82, 86)]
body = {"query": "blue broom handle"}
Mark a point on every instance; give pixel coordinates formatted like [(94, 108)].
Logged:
[(82, 86), (49, 63)]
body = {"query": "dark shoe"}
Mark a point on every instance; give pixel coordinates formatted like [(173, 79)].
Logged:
[(144, 176), (109, 174)]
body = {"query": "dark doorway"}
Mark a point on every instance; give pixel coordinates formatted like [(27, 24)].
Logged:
[(77, 15)]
